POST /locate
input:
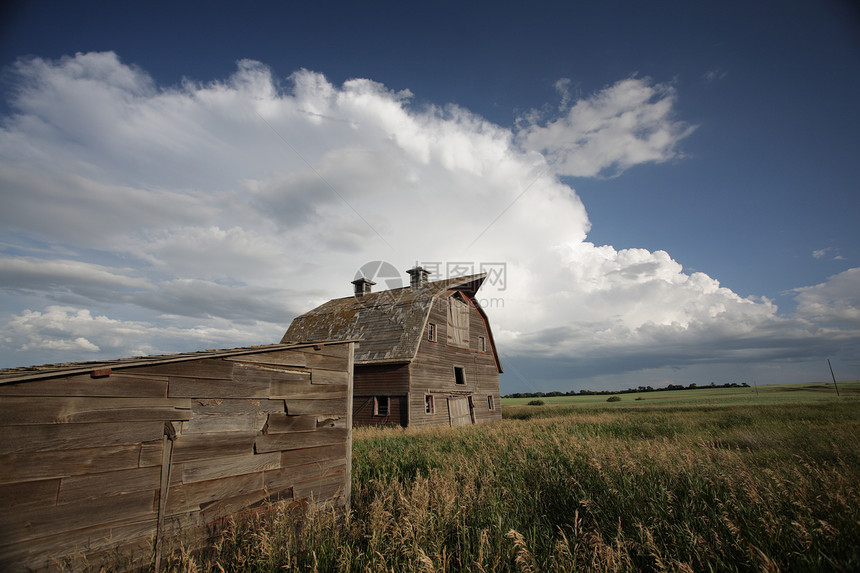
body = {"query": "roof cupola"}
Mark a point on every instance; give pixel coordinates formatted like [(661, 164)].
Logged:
[(418, 277), (362, 286)]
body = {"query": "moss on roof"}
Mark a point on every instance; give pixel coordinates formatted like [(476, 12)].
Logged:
[(388, 324)]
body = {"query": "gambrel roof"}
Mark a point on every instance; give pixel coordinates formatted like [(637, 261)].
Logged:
[(388, 324)]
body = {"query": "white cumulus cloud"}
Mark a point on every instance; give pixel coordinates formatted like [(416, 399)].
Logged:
[(625, 124), (141, 218), (836, 301)]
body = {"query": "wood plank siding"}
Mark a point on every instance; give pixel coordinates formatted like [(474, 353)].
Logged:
[(144, 450), (432, 373), (381, 381)]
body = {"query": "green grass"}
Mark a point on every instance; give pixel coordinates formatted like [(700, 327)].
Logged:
[(753, 396), (689, 483)]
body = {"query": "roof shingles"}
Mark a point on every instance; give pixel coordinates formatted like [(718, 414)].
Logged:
[(388, 324)]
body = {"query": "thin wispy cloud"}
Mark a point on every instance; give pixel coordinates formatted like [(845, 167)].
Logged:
[(714, 75), (828, 252)]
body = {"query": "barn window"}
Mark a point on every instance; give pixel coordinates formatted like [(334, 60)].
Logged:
[(380, 406), (431, 332), (429, 406), (491, 403), (459, 375), (482, 344)]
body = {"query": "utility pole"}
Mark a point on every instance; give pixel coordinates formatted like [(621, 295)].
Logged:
[(833, 376)]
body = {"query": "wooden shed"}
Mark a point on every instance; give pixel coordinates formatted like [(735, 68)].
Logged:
[(122, 455), (426, 354)]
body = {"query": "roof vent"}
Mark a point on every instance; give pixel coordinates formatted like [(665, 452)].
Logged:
[(362, 286), (418, 277)]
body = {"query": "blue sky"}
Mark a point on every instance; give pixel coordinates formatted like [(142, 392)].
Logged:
[(672, 186)]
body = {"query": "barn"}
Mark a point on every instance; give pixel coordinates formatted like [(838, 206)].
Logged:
[(121, 457), (425, 356)]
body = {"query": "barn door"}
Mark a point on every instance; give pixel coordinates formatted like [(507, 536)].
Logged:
[(459, 411)]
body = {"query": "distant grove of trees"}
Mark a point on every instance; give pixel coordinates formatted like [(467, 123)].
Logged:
[(692, 386)]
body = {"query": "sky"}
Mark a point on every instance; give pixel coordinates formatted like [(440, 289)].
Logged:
[(660, 193)]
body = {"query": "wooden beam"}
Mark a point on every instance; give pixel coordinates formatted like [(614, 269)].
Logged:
[(193, 447), (307, 390), (330, 407), (292, 475), (35, 522), (329, 349), (46, 553), (242, 504), (215, 368), (241, 387), (281, 358), (150, 454), (45, 465), (350, 368), (204, 470), (190, 497), (282, 423), (166, 468), (51, 437), (333, 377), (42, 493), (118, 385), (232, 415), (58, 410), (294, 441), (326, 362), (97, 485), (322, 454)]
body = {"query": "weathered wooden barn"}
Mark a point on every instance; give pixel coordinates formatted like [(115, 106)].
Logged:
[(121, 457), (425, 356)]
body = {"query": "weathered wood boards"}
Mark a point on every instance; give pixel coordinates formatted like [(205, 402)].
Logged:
[(432, 374), (419, 346), (92, 463), (458, 411)]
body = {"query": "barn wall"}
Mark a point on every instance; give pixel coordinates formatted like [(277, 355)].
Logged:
[(432, 372), (89, 465), (374, 380)]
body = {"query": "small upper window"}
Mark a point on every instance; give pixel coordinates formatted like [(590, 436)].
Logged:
[(459, 375), (431, 332), (482, 344), (429, 405), (491, 404), (380, 406)]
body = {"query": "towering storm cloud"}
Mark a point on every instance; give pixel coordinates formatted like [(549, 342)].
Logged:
[(140, 218)]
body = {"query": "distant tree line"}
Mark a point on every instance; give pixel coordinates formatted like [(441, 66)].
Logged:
[(692, 386)]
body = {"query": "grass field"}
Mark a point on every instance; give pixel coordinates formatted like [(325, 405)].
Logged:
[(693, 480), (752, 396)]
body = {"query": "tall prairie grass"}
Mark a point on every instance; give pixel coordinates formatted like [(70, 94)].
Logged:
[(723, 489)]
